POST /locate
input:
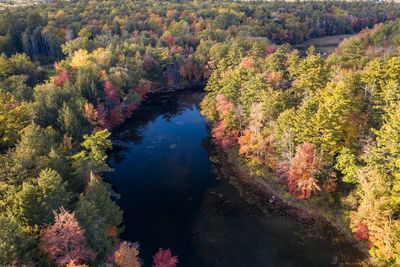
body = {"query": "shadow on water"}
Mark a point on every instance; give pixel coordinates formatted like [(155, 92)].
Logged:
[(172, 198)]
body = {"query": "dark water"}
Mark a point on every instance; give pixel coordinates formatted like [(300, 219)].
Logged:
[(172, 198)]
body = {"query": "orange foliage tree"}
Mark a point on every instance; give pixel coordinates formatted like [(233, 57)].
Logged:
[(303, 171), (73, 264), (252, 142), (223, 133), (127, 255)]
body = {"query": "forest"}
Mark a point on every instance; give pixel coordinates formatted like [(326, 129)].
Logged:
[(323, 131)]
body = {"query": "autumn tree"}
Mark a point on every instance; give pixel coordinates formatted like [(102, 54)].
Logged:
[(80, 59), (73, 264), (89, 113), (64, 241), (96, 116), (303, 172), (224, 131), (252, 142), (375, 215), (61, 78), (127, 255), (164, 258)]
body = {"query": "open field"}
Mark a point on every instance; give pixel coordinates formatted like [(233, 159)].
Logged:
[(323, 44)]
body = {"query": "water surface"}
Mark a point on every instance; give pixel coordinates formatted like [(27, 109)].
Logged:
[(172, 198)]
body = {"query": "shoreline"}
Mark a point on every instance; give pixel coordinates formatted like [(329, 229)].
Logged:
[(259, 193)]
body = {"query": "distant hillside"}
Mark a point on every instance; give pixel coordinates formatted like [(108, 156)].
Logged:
[(374, 42)]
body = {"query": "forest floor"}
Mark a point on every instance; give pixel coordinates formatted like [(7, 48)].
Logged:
[(323, 44)]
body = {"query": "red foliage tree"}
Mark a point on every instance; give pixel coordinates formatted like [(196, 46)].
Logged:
[(303, 170), (116, 116), (129, 110), (61, 78), (177, 49), (190, 70), (270, 49), (101, 116), (362, 232), (170, 77), (111, 94), (223, 134), (223, 137), (148, 61), (223, 105), (170, 39), (64, 241), (164, 258)]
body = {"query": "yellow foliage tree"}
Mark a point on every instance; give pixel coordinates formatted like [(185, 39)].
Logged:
[(73, 264), (80, 59), (127, 255)]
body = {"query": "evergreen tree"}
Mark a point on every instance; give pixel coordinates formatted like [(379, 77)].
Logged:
[(35, 202), (16, 247), (99, 216), (93, 157)]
